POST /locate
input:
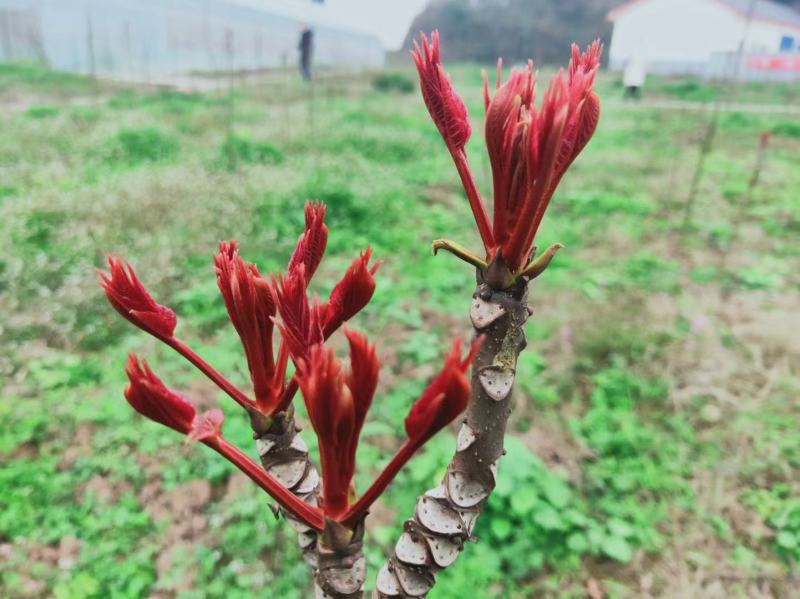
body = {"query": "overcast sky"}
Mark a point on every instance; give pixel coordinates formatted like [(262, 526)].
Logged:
[(388, 19)]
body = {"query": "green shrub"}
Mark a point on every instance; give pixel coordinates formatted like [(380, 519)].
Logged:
[(41, 112), (393, 81), (787, 129), (637, 470), (148, 144), (691, 89), (779, 507), (236, 149), (738, 120)]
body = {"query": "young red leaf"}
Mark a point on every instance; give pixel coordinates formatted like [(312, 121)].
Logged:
[(446, 108), (584, 105), (352, 293), (444, 399), (362, 378), (450, 116), (129, 297), (251, 308), (152, 399), (508, 120), (530, 149), (337, 403), (331, 409), (301, 322), (312, 242)]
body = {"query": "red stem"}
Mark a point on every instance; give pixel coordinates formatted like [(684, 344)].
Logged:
[(310, 516), (474, 197), (204, 367), (360, 507)]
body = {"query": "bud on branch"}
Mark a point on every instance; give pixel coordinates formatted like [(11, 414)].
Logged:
[(129, 297), (312, 242), (529, 148), (337, 405), (251, 308)]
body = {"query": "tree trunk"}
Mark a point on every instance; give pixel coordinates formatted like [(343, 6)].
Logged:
[(445, 516)]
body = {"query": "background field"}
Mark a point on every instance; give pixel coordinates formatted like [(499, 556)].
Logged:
[(654, 448)]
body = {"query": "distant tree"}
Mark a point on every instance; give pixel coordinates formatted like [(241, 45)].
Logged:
[(482, 30)]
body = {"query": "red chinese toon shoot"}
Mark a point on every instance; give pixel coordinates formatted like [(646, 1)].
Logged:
[(530, 148), (251, 305), (337, 401), (337, 398)]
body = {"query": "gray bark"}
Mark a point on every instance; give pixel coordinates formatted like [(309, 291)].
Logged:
[(336, 556), (342, 568), (284, 455), (445, 516)]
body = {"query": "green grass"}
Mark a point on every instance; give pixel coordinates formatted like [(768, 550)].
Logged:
[(653, 435), (32, 77)]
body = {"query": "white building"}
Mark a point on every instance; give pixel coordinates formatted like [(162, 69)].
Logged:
[(754, 39), (162, 37)]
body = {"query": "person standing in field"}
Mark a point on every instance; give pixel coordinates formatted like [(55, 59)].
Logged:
[(634, 76), (305, 46)]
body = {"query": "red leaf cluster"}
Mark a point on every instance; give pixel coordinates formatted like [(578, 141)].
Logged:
[(529, 148), (251, 308), (337, 402)]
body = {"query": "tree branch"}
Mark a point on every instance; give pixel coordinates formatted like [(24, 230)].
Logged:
[(445, 516)]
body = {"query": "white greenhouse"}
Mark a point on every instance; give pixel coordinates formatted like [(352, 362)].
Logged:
[(161, 37)]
